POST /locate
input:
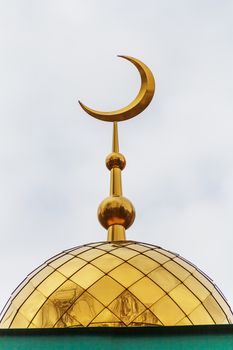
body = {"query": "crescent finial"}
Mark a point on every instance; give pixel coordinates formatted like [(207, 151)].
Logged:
[(141, 101), (116, 213)]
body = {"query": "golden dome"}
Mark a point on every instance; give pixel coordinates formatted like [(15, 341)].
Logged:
[(115, 284)]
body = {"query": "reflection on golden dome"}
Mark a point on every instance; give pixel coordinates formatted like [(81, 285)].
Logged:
[(115, 284)]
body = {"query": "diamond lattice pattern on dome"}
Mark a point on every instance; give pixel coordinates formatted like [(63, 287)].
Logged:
[(115, 284)]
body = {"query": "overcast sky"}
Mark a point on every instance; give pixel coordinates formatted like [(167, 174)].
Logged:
[(179, 172)]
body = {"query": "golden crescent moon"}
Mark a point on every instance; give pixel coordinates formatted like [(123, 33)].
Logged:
[(140, 102)]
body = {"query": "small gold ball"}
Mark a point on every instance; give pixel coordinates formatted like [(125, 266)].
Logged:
[(115, 160), (116, 211)]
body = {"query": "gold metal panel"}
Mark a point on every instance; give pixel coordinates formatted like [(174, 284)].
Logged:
[(108, 246), (223, 304), (7, 305), (177, 270), (197, 288), (167, 253), (126, 307), (138, 247), (7, 319), (51, 283), (167, 311), (183, 263), (90, 254), (184, 298), (55, 309), (96, 244), (107, 262), (214, 309), (122, 243), (72, 266), (40, 276), (55, 257), (147, 318), (46, 317), (61, 260), (184, 322), (208, 284), (105, 290), (150, 246), (143, 263), (79, 250), (32, 325), (107, 324), (66, 294), (54, 312), (106, 316), (87, 276), (227, 320), (124, 253), (146, 291), (200, 316), (20, 287), (83, 311), (164, 279), (126, 274), (20, 322), (23, 294), (160, 258), (32, 305)]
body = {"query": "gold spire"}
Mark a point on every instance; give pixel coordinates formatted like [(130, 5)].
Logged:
[(116, 213)]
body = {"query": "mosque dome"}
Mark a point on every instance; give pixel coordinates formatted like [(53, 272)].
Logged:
[(118, 284)]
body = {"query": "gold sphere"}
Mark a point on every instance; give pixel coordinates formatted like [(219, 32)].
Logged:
[(115, 160), (116, 211)]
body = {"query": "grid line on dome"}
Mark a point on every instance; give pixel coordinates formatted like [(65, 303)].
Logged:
[(221, 301), (135, 282), (48, 296), (48, 299), (72, 292), (107, 262), (105, 316), (32, 274), (145, 319), (167, 295), (41, 308), (91, 285), (184, 322), (71, 280), (118, 311), (84, 318), (28, 296), (138, 261), (32, 305), (210, 291), (167, 265), (212, 305), (203, 313), (78, 298), (160, 307)]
